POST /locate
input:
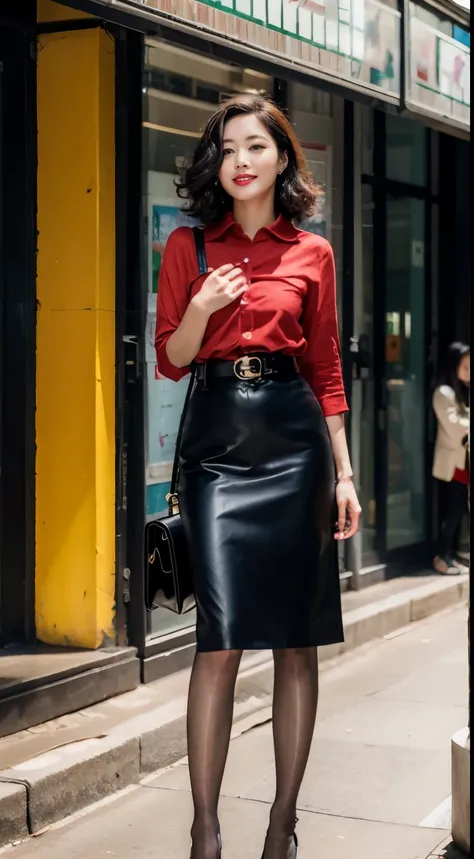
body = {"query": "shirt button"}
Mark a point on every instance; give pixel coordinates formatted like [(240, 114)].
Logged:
[(246, 260), (247, 335), (244, 301)]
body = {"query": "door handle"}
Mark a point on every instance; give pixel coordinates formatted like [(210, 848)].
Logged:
[(132, 357)]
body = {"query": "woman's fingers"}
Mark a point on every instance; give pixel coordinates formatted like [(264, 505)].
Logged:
[(223, 269), (236, 293), (237, 285), (348, 521), (234, 273), (226, 273), (229, 279), (341, 516), (354, 517)]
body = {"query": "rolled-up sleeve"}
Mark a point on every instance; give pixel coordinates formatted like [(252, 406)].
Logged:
[(320, 364), (173, 297)]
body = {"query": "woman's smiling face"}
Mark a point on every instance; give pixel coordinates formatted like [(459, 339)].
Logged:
[(251, 161)]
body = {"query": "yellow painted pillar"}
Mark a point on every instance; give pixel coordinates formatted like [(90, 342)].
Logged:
[(75, 402)]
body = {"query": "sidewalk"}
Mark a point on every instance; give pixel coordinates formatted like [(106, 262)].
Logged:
[(56, 769), (378, 780)]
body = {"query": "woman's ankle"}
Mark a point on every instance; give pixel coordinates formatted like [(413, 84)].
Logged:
[(205, 823), (283, 819)]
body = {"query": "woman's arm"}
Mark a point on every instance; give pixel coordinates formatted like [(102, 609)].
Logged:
[(185, 343), (337, 434), (181, 321), (321, 367), (320, 364), (222, 287), (348, 507), (177, 272)]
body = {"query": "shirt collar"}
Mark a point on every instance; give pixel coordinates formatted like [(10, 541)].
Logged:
[(281, 228)]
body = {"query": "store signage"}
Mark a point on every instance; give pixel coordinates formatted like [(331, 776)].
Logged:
[(353, 40), (438, 79)]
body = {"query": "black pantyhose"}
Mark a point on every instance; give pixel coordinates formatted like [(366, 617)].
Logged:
[(295, 701), (210, 712)]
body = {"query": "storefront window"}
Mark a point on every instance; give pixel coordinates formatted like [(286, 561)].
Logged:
[(311, 116), (176, 106), (406, 150), (318, 119)]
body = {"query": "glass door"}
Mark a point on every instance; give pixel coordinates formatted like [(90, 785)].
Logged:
[(180, 90), (364, 388), (392, 303), (404, 371), (388, 390)]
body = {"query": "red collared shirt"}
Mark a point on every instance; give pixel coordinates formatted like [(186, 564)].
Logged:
[(290, 305)]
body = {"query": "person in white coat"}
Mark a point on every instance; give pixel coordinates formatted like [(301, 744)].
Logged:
[(451, 456)]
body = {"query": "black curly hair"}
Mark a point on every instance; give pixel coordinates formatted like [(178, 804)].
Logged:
[(296, 192)]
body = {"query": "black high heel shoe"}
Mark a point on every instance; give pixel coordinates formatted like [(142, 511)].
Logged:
[(295, 841)]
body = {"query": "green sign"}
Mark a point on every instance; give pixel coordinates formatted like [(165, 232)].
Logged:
[(438, 79), (356, 40)]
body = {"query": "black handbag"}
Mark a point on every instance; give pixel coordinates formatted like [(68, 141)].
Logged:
[(168, 571)]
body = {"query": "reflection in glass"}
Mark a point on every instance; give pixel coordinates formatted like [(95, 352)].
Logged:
[(406, 150)]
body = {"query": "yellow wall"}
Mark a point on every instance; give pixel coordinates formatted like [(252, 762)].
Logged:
[(75, 431)]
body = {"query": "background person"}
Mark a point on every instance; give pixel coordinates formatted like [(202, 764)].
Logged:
[(451, 460)]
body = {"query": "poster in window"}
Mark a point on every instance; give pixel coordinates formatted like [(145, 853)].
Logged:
[(454, 71), (423, 54)]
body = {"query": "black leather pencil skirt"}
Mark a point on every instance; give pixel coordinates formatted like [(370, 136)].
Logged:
[(257, 501)]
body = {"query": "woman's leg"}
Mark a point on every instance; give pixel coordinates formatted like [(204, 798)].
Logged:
[(210, 712), (295, 702), (455, 508)]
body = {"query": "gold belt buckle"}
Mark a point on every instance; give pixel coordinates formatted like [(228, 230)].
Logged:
[(248, 368)]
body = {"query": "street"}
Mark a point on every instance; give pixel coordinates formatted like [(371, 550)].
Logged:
[(377, 786)]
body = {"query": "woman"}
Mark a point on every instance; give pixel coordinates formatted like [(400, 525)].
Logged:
[(451, 406), (263, 430)]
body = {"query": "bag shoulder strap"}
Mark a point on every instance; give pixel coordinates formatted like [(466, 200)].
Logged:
[(172, 498), (200, 249)]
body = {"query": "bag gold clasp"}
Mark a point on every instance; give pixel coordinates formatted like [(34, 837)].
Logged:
[(172, 501)]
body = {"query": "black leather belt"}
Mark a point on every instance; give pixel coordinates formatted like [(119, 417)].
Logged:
[(249, 368)]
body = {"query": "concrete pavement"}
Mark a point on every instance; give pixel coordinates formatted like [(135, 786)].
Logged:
[(378, 781), (55, 769)]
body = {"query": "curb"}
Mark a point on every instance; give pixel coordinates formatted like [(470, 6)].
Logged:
[(58, 783), (13, 813)]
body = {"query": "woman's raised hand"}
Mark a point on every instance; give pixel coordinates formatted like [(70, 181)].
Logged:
[(221, 287)]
